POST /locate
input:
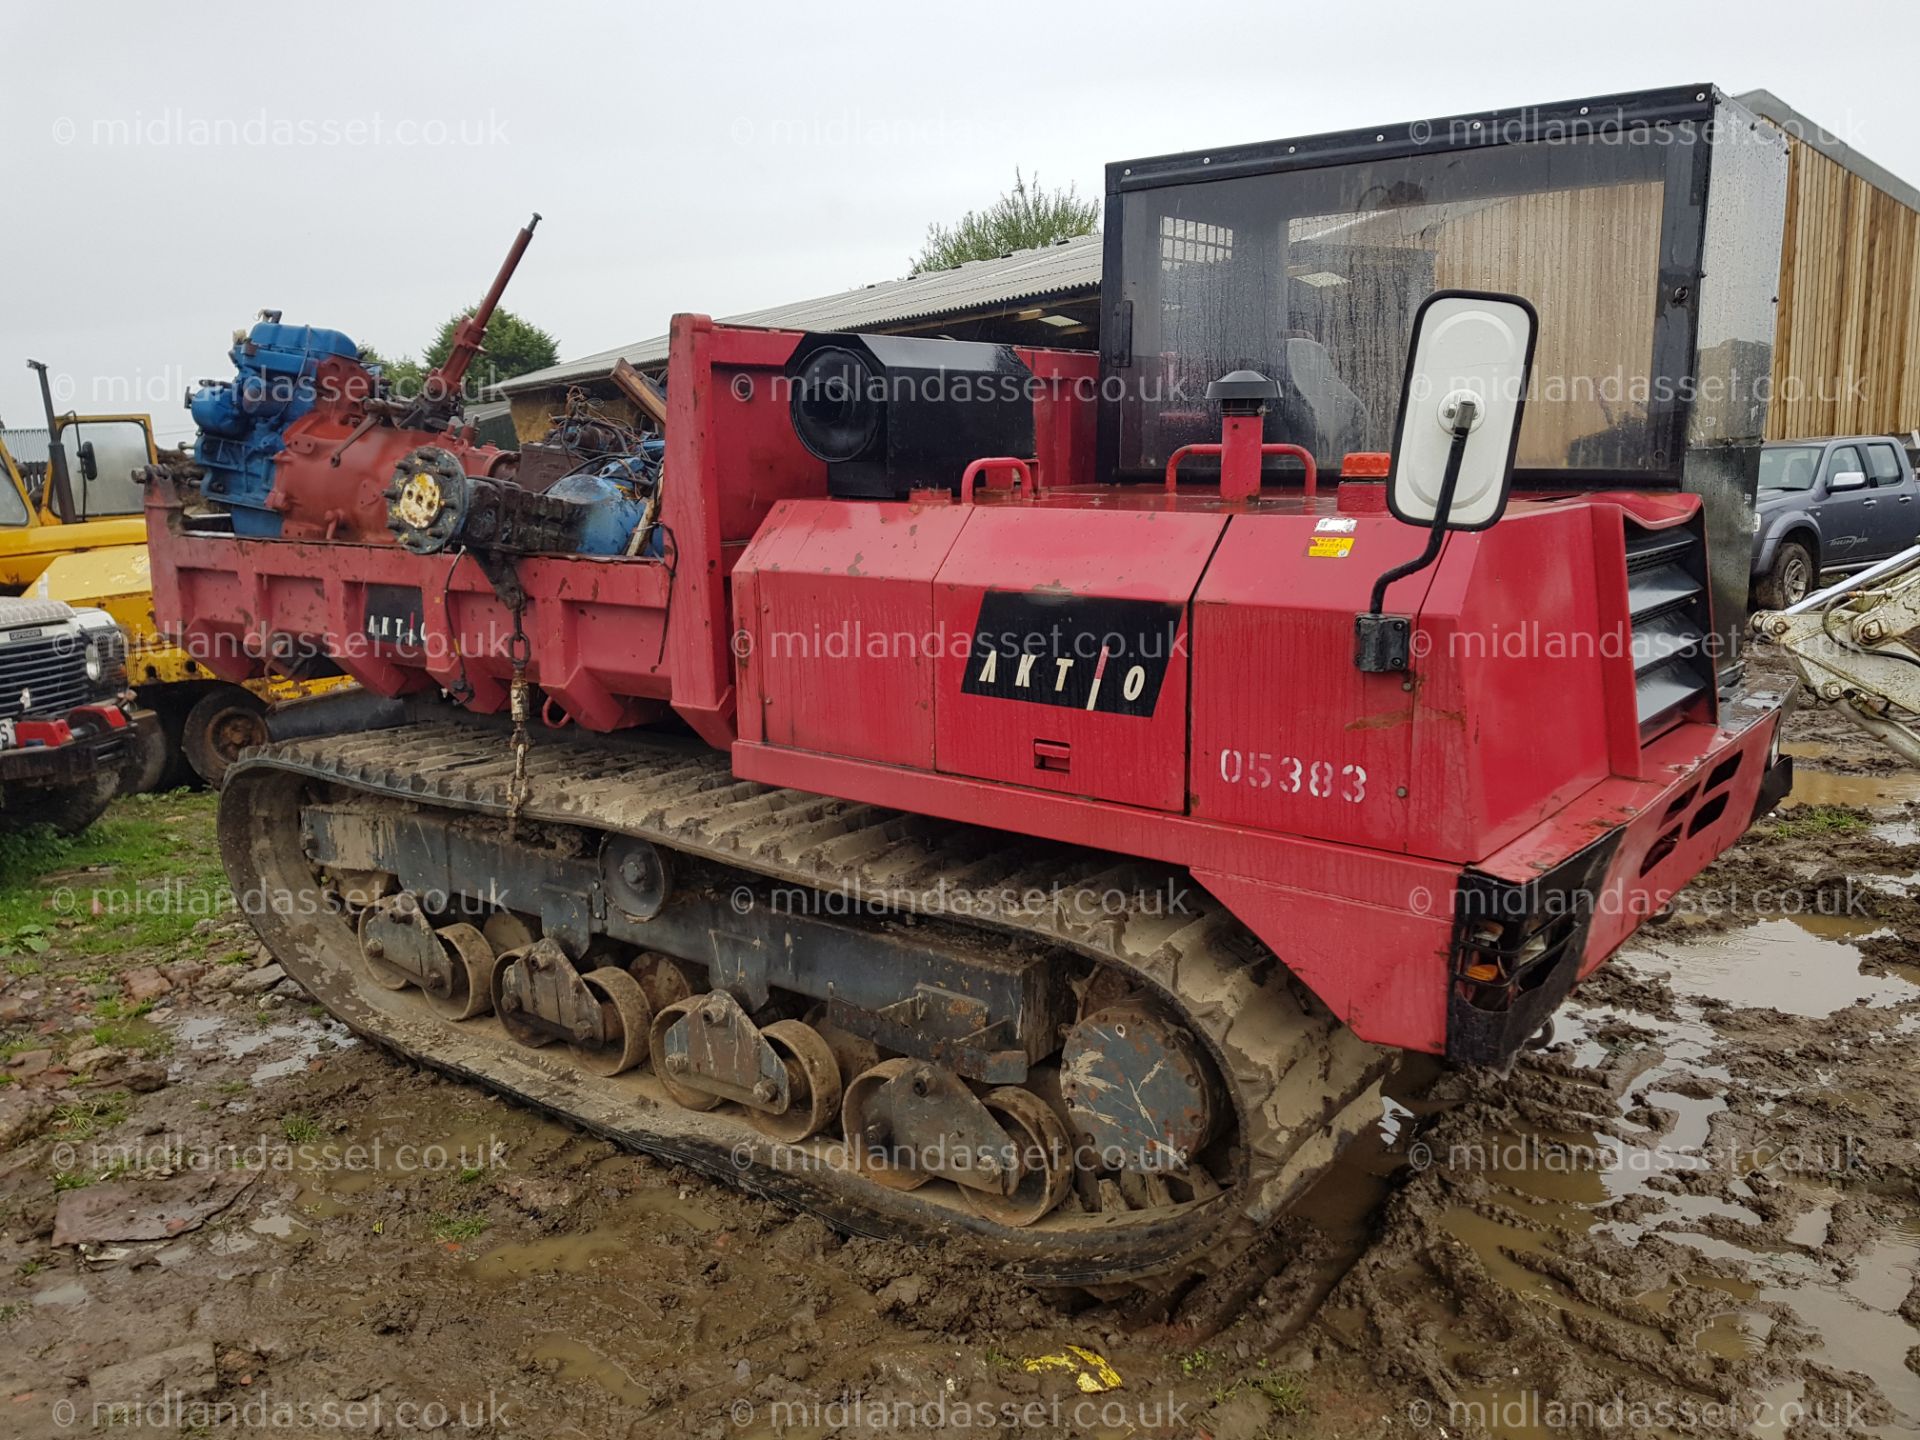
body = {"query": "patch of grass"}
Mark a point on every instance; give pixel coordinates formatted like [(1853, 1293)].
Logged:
[(300, 1129), (140, 877), (1281, 1389), (10, 1313), (1810, 822), (233, 1087), (456, 1227), (70, 1180), (143, 1039), (84, 1118), (236, 957), (1196, 1362), (30, 1268), (470, 1174), (22, 966), (115, 1008)]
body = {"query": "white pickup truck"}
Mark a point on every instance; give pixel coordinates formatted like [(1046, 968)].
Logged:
[(67, 722)]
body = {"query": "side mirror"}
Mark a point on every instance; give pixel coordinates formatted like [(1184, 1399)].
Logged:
[(1847, 480), (89, 466), (1453, 449), (1470, 351)]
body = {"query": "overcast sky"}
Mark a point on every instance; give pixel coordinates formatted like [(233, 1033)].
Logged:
[(172, 171)]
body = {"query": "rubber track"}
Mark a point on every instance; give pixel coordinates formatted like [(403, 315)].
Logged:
[(1302, 1084)]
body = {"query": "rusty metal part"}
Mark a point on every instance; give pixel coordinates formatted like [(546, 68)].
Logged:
[(361, 888), (399, 947), (708, 1046), (925, 1119), (1138, 1090), (1042, 1157), (1295, 1085), (663, 978), (636, 876), (507, 931), (813, 1083), (854, 1054), (868, 1147), (540, 996), (625, 1018), (468, 993)]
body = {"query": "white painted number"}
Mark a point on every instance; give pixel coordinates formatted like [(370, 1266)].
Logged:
[(1321, 779)]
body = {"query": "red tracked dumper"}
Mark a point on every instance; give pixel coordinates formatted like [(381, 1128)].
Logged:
[(1022, 795)]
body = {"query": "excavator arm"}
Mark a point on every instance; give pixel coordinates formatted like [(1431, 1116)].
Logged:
[(1857, 647)]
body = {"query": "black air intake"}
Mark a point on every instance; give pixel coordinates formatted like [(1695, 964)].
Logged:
[(891, 413), (1667, 597)]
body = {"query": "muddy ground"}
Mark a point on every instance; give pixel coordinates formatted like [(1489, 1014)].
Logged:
[(1696, 1213)]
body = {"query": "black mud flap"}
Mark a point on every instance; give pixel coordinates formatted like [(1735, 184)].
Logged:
[(1516, 952), (1775, 786)]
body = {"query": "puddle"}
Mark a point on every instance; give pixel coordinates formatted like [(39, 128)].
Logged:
[(1798, 966), (1824, 787), (293, 1043), (551, 1255), (1551, 1183), (575, 1360)]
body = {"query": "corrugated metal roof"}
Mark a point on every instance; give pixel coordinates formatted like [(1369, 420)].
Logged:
[(979, 284)]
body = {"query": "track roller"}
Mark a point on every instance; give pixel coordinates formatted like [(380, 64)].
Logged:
[(540, 996), (469, 989), (706, 1049), (908, 1121), (453, 966), (625, 1018), (1043, 1154), (869, 1136), (814, 1083)]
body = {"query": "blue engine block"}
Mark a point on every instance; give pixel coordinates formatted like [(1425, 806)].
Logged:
[(243, 421)]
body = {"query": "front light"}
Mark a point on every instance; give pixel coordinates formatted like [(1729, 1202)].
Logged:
[(96, 663)]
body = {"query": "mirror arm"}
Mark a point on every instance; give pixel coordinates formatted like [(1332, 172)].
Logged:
[(59, 487), (1382, 643)]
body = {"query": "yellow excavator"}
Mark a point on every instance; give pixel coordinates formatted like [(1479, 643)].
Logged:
[(86, 544)]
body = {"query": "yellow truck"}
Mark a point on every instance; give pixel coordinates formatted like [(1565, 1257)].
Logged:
[(76, 532)]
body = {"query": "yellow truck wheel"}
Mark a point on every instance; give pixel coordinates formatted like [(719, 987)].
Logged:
[(221, 724)]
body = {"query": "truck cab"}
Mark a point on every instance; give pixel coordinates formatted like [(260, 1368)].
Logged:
[(1833, 504), (68, 726)]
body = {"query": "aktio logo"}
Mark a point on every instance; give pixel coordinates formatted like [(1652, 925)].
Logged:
[(1079, 652)]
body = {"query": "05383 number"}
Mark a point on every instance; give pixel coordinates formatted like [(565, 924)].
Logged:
[(1294, 775)]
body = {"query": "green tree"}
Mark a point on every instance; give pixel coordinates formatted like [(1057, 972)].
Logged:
[(513, 347), (403, 375), (1026, 216)]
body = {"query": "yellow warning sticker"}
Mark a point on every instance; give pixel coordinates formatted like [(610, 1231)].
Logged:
[(1330, 547)]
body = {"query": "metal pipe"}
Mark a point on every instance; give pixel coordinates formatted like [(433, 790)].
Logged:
[(473, 330), (1854, 582)]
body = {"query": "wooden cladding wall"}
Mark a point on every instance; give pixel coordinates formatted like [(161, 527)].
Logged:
[(1847, 349)]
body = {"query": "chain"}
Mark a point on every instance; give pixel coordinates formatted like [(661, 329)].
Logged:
[(518, 650)]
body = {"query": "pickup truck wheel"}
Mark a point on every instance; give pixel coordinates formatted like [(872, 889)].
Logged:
[(147, 761), (1789, 579), (221, 724)]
